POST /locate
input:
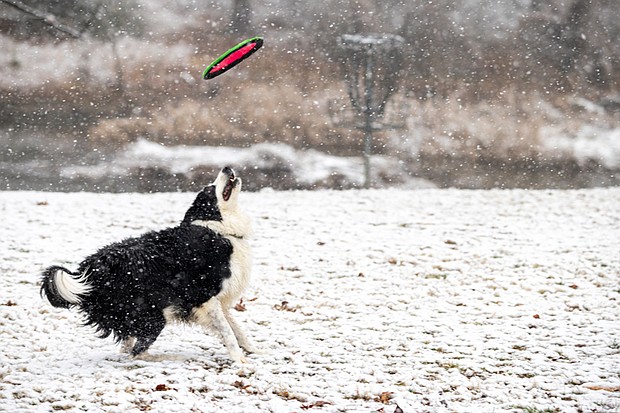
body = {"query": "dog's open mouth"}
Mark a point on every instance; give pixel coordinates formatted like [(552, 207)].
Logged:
[(230, 185)]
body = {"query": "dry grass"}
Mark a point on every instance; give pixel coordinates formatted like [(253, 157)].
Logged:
[(506, 127)]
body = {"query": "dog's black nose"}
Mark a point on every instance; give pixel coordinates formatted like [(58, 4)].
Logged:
[(228, 171)]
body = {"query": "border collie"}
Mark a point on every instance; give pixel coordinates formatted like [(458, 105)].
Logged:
[(190, 273)]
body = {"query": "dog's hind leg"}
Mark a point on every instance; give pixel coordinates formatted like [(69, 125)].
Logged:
[(210, 315), (127, 344), (242, 338), (142, 345), (147, 336)]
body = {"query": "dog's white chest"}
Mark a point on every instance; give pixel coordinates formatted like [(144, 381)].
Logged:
[(235, 227), (240, 268)]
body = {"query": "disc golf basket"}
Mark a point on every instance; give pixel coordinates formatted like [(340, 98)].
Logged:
[(371, 65)]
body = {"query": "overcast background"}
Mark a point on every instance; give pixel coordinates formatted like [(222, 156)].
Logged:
[(521, 93)]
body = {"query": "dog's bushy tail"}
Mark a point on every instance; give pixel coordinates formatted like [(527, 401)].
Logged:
[(64, 288)]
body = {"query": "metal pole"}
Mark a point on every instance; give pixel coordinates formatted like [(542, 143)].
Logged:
[(368, 113), (367, 149)]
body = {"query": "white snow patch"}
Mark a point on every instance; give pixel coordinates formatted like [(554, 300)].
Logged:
[(308, 166), (589, 143)]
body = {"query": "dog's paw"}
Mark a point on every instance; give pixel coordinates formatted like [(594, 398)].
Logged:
[(127, 345), (238, 358), (256, 350), (241, 360)]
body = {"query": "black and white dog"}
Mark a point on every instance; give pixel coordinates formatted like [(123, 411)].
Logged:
[(190, 273)]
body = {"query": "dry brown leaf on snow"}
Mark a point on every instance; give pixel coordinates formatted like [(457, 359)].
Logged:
[(285, 307), (613, 389), (384, 397), (241, 385), (240, 306), (319, 403)]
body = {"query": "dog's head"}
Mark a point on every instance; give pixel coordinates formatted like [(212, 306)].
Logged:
[(220, 196), (227, 187)]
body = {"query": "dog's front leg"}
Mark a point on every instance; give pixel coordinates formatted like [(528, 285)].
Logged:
[(210, 315), (242, 339)]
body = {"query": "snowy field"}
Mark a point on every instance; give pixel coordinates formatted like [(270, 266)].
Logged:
[(367, 301)]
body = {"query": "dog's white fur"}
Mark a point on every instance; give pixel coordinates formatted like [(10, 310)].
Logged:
[(237, 228), (215, 313), (70, 288)]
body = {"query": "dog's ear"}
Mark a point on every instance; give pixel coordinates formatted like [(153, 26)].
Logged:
[(204, 208)]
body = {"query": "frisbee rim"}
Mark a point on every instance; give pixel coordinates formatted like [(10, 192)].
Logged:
[(259, 43)]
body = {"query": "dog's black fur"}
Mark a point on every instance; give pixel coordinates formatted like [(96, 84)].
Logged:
[(128, 285)]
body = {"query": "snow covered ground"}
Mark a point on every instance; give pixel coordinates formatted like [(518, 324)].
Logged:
[(426, 300)]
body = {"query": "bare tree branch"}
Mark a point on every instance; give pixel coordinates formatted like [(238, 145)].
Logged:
[(47, 18)]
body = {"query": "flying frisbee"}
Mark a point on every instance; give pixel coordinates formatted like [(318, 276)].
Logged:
[(232, 57)]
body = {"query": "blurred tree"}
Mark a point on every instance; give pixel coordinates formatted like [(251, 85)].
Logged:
[(572, 34), (241, 20), (439, 54), (38, 18), (70, 18), (101, 20), (568, 46)]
